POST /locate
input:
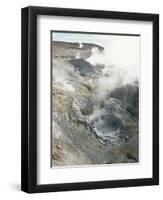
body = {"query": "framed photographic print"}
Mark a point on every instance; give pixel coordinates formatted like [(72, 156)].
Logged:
[(90, 99)]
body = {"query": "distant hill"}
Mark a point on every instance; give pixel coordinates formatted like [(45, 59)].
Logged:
[(72, 50)]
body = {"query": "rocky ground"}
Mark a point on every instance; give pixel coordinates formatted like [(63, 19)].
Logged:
[(91, 124)]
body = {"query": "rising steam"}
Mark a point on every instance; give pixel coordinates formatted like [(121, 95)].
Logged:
[(121, 60)]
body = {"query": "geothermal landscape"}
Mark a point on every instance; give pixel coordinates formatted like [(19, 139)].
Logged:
[(95, 111)]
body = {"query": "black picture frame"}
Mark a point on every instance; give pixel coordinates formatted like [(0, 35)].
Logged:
[(29, 99)]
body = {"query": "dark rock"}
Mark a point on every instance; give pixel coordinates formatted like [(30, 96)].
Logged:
[(84, 67), (129, 97), (91, 45)]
